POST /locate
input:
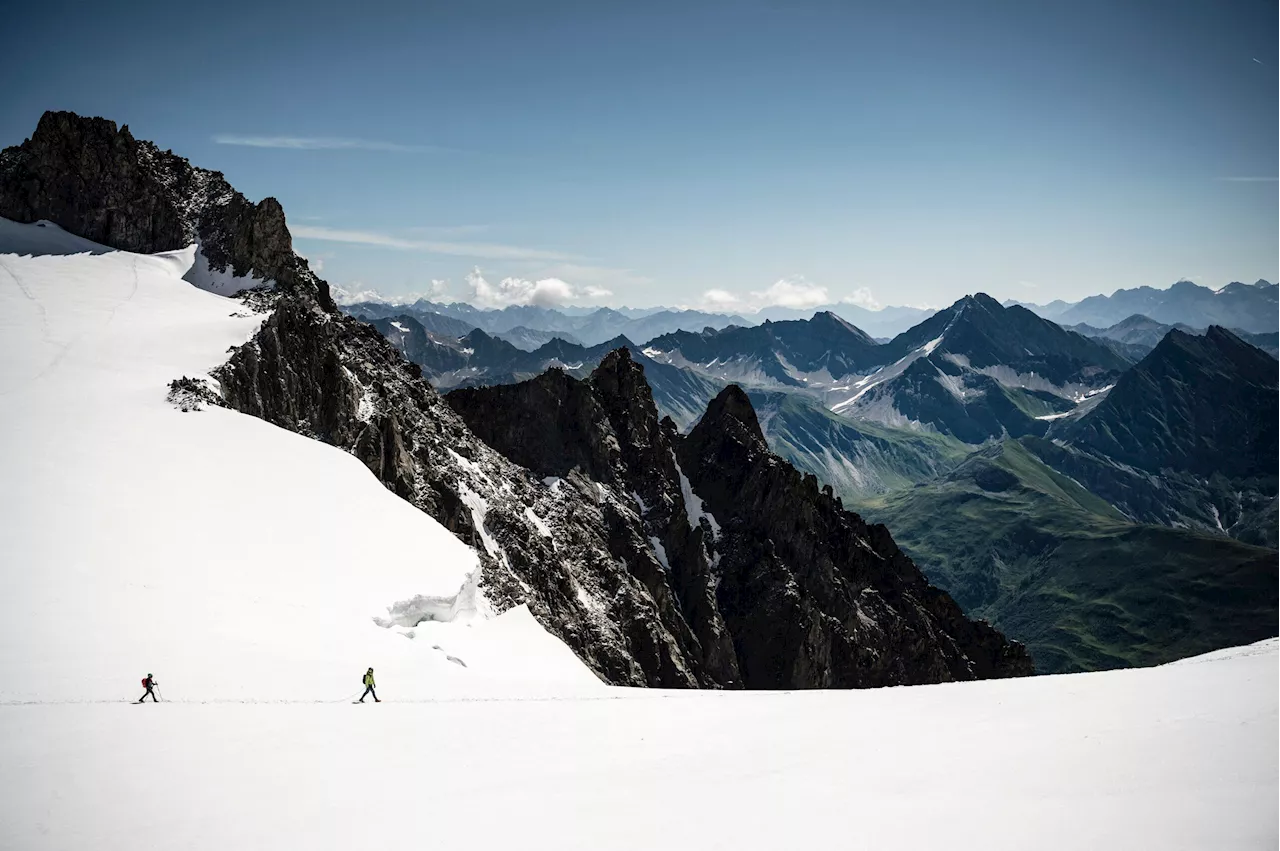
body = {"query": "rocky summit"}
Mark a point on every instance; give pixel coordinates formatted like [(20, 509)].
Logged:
[(96, 180), (703, 561)]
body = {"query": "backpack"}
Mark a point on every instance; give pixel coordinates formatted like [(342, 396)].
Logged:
[(145, 682)]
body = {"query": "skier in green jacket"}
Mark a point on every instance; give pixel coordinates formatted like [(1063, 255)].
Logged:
[(368, 687)]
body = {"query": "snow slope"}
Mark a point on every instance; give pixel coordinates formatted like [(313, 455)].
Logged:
[(1177, 757), (232, 559)]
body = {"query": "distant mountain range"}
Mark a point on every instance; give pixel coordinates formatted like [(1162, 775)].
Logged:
[(1137, 335), (1249, 307), (883, 323), (1108, 497), (479, 359), (528, 326), (791, 353), (1141, 524), (978, 371), (973, 372)]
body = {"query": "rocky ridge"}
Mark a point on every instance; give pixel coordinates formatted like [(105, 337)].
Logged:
[(614, 555), (810, 594), (1186, 438), (96, 180)]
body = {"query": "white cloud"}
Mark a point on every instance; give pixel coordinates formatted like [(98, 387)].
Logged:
[(721, 299), (314, 143), (548, 292), (793, 292), (357, 292), (863, 298), (544, 292), (488, 251)]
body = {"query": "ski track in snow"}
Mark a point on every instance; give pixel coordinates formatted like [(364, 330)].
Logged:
[(1175, 758)]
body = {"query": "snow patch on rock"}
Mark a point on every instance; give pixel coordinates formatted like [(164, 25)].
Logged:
[(225, 282)]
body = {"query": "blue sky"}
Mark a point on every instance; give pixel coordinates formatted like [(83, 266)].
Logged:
[(706, 154)]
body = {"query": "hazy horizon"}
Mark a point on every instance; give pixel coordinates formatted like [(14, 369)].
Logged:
[(347, 297)]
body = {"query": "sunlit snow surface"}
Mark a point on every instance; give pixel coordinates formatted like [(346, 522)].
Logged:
[(245, 566), (232, 559), (1177, 757)]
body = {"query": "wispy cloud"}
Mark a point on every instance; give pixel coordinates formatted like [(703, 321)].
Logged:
[(446, 231), (544, 292), (319, 143), (1259, 179), (483, 250)]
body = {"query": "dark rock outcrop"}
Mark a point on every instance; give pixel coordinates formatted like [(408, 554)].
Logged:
[(1186, 438), (607, 429), (1201, 404), (97, 181), (810, 595), (573, 550), (813, 594)]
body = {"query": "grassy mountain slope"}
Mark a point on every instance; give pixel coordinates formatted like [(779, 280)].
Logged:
[(1056, 567), (856, 459)]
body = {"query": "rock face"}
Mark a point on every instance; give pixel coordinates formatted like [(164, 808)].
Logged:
[(575, 498), (606, 429), (95, 180), (978, 371), (1186, 438), (810, 595), (573, 549), (1201, 404), (777, 349)]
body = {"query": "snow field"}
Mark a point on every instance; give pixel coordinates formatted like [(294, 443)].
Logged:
[(1177, 757)]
